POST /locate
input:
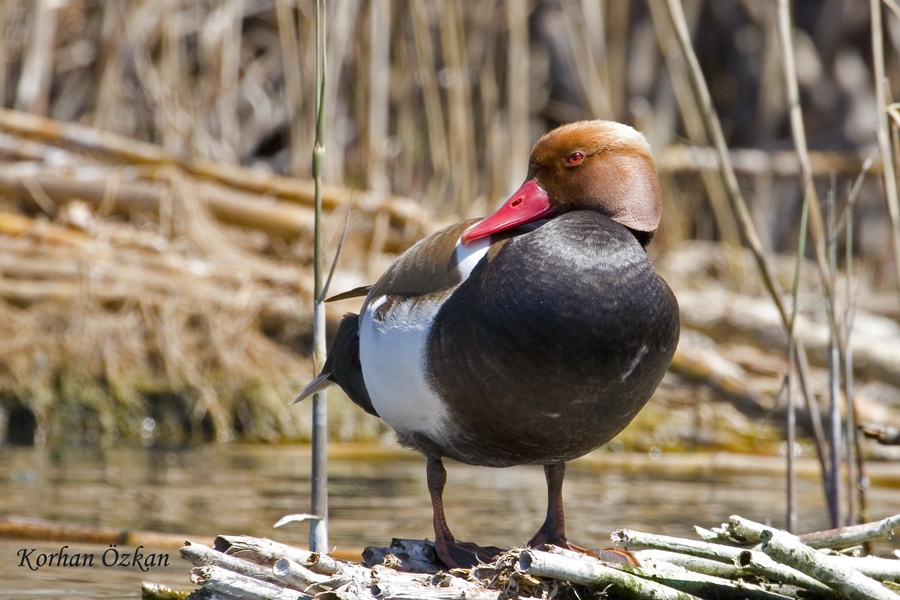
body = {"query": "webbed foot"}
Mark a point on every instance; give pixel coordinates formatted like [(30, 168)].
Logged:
[(464, 555)]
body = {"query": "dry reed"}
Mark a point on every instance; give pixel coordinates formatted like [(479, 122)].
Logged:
[(185, 114)]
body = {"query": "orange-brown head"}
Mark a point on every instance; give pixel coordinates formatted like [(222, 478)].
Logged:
[(587, 165)]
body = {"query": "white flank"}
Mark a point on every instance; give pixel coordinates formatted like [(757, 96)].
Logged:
[(392, 353)]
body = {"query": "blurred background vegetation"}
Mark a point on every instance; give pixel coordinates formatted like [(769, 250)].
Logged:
[(155, 246)]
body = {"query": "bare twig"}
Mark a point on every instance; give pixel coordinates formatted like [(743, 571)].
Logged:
[(886, 436)]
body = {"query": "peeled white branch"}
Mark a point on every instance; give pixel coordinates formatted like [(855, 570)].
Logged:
[(200, 556), (750, 561), (259, 550), (295, 575), (843, 537), (217, 579), (882, 569), (595, 575), (398, 588), (704, 586), (696, 564), (788, 549)]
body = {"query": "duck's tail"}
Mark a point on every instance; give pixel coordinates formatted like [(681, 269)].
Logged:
[(322, 381), (342, 367)]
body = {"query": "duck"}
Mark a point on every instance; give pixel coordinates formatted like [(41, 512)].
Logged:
[(530, 337)]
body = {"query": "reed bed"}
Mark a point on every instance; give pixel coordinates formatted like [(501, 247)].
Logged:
[(156, 216)]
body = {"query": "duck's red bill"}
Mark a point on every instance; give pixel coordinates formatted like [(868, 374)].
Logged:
[(529, 203)]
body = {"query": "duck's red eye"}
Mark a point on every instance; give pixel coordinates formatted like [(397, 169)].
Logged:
[(575, 158)]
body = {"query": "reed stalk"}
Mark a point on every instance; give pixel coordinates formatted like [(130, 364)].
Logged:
[(290, 58), (693, 124), (889, 177), (33, 93), (517, 102), (834, 487), (791, 519), (462, 177), (827, 267), (318, 529), (436, 132), (855, 468), (674, 14), (379, 94), (714, 133)]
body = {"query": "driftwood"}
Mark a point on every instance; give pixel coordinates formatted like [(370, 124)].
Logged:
[(726, 313), (755, 162), (39, 529), (239, 195), (723, 566), (885, 435)]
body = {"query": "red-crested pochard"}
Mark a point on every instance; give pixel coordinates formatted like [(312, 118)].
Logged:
[(533, 336)]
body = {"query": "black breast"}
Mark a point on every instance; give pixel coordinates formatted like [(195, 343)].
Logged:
[(553, 345)]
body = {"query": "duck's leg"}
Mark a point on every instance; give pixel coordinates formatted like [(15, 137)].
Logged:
[(452, 553), (553, 531)]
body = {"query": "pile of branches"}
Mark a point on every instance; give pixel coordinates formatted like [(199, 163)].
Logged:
[(142, 296), (742, 559)]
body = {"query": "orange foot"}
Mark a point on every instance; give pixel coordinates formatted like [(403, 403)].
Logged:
[(464, 555)]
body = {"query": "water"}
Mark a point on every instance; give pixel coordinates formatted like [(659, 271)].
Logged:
[(376, 494)]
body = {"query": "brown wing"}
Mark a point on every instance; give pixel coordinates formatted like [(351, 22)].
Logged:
[(426, 268)]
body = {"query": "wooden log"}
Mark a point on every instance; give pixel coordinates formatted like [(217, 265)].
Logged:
[(406, 590), (14, 224), (696, 564), (788, 549), (723, 313), (323, 563), (98, 185), (684, 579), (751, 561), (706, 365), (844, 579), (882, 569), (39, 529), (135, 152), (852, 535), (199, 555), (756, 162), (259, 550), (298, 577), (700, 584), (268, 552), (595, 575), (389, 583), (887, 436), (18, 148), (217, 579)]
